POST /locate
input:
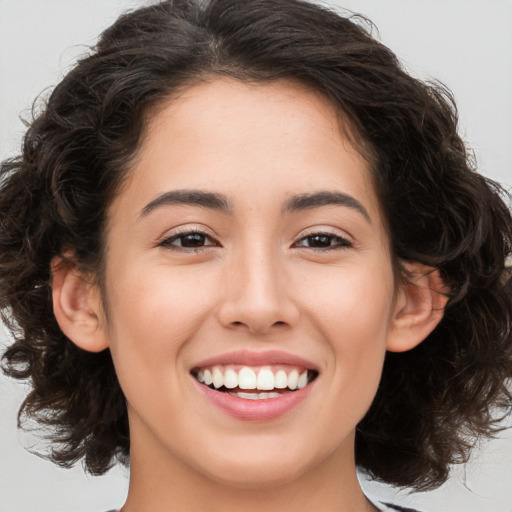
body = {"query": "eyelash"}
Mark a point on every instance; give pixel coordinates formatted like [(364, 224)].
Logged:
[(340, 242), (168, 242)]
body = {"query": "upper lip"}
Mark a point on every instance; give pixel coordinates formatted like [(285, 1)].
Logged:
[(252, 358)]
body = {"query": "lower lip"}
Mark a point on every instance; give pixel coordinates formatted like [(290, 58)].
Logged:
[(254, 410)]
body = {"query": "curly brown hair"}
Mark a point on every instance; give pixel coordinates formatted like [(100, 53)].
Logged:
[(433, 401)]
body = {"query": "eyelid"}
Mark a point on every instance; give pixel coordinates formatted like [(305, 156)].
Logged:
[(325, 230), (183, 231), (188, 227), (347, 240)]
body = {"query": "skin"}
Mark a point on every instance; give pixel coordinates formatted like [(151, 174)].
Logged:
[(257, 283)]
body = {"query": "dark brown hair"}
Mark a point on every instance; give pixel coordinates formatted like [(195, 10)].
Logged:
[(433, 400)]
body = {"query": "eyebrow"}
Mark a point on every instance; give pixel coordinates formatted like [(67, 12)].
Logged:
[(220, 202), (200, 198), (324, 198)]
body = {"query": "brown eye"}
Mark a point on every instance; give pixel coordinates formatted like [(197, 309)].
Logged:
[(191, 240), (324, 241), (319, 241)]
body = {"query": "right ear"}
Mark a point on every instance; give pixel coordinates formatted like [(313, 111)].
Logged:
[(77, 306)]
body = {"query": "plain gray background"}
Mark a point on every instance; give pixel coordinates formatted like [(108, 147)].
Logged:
[(467, 44)]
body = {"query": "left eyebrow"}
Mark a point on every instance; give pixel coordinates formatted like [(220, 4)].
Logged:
[(324, 198), (189, 197)]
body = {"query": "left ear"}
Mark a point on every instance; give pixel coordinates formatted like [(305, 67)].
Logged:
[(419, 307)]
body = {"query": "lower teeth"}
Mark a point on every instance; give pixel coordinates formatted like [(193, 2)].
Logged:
[(255, 396)]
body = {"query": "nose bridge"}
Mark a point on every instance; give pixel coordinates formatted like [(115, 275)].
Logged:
[(259, 284), (256, 296)]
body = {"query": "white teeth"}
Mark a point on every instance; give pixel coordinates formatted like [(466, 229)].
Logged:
[(218, 378), (208, 377), (246, 378), (303, 380), (247, 396), (281, 380), (293, 379), (255, 396), (265, 379), (231, 379)]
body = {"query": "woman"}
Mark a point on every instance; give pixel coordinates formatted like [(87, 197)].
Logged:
[(245, 251)]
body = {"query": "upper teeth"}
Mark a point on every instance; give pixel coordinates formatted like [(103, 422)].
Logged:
[(247, 378)]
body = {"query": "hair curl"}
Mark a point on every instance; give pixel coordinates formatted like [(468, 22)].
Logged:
[(433, 400)]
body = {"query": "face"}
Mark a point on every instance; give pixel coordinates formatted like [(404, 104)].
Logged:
[(247, 249)]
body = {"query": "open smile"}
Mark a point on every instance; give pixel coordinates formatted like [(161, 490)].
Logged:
[(255, 383), (251, 391)]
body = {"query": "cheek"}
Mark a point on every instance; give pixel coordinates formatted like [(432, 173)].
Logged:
[(350, 303), (351, 308), (152, 315)]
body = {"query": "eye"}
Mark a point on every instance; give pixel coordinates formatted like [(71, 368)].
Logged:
[(189, 240), (323, 241)]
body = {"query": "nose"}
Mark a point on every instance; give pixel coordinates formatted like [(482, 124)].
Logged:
[(257, 295)]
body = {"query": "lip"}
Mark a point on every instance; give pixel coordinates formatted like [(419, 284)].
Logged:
[(251, 358), (254, 410)]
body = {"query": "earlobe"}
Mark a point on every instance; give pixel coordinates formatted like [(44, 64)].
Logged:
[(77, 306), (419, 307)]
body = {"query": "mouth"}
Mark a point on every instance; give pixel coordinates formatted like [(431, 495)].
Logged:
[(255, 386), (255, 382)]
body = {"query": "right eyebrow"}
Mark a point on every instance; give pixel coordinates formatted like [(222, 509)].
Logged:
[(192, 197), (325, 198)]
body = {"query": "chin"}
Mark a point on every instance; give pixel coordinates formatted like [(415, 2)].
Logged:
[(263, 473), (259, 478)]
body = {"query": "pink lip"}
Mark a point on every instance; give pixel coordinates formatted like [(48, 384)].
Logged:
[(250, 358), (254, 410)]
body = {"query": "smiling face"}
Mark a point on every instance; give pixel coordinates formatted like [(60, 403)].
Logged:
[(248, 236), (247, 250)]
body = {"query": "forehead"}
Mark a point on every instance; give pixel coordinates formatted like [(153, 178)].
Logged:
[(266, 139)]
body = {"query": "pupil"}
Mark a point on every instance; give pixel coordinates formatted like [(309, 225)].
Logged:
[(320, 241), (193, 240)]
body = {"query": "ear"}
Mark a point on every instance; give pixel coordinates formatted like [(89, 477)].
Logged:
[(419, 307), (78, 307)]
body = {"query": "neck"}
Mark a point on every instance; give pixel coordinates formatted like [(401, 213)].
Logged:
[(160, 481)]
